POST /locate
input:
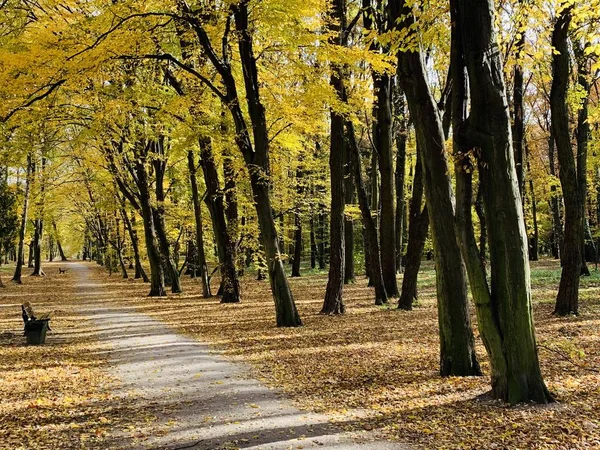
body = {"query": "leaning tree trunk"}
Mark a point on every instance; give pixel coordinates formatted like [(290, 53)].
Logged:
[(58, 244), (418, 225), (200, 262), (23, 228), (369, 222), (567, 300), (505, 313), (457, 346)]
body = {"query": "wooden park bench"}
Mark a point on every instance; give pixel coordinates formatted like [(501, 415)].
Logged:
[(35, 328)]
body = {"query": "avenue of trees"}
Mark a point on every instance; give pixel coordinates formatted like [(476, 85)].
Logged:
[(222, 139)]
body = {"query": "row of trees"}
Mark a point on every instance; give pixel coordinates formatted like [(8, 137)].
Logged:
[(353, 119)]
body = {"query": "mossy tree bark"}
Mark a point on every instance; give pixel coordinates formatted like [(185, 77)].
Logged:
[(457, 348), (504, 308)]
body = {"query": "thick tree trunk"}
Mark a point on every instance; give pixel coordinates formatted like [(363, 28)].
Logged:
[(334, 303), (479, 210), (200, 263), (503, 310), (567, 300), (457, 347), (369, 222), (418, 226), (230, 285), (23, 228)]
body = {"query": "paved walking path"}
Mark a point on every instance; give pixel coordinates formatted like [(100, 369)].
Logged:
[(202, 400)]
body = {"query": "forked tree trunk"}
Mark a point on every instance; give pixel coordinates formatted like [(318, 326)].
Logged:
[(567, 300), (504, 309)]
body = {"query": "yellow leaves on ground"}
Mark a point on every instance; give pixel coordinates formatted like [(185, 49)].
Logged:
[(55, 396), (379, 366)]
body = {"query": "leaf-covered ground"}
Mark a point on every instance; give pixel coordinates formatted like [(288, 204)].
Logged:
[(58, 395), (378, 362), (383, 363)]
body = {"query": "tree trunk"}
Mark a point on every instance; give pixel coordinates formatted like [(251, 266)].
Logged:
[(568, 291), (159, 163), (418, 225), (23, 228), (401, 137), (582, 134), (557, 235), (157, 275), (369, 223), (479, 210), (297, 245), (457, 347), (503, 310), (313, 243), (534, 240), (230, 285), (58, 244), (200, 263), (383, 144), (139, 269), (39, 228), (37, 248), (334, 303)]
